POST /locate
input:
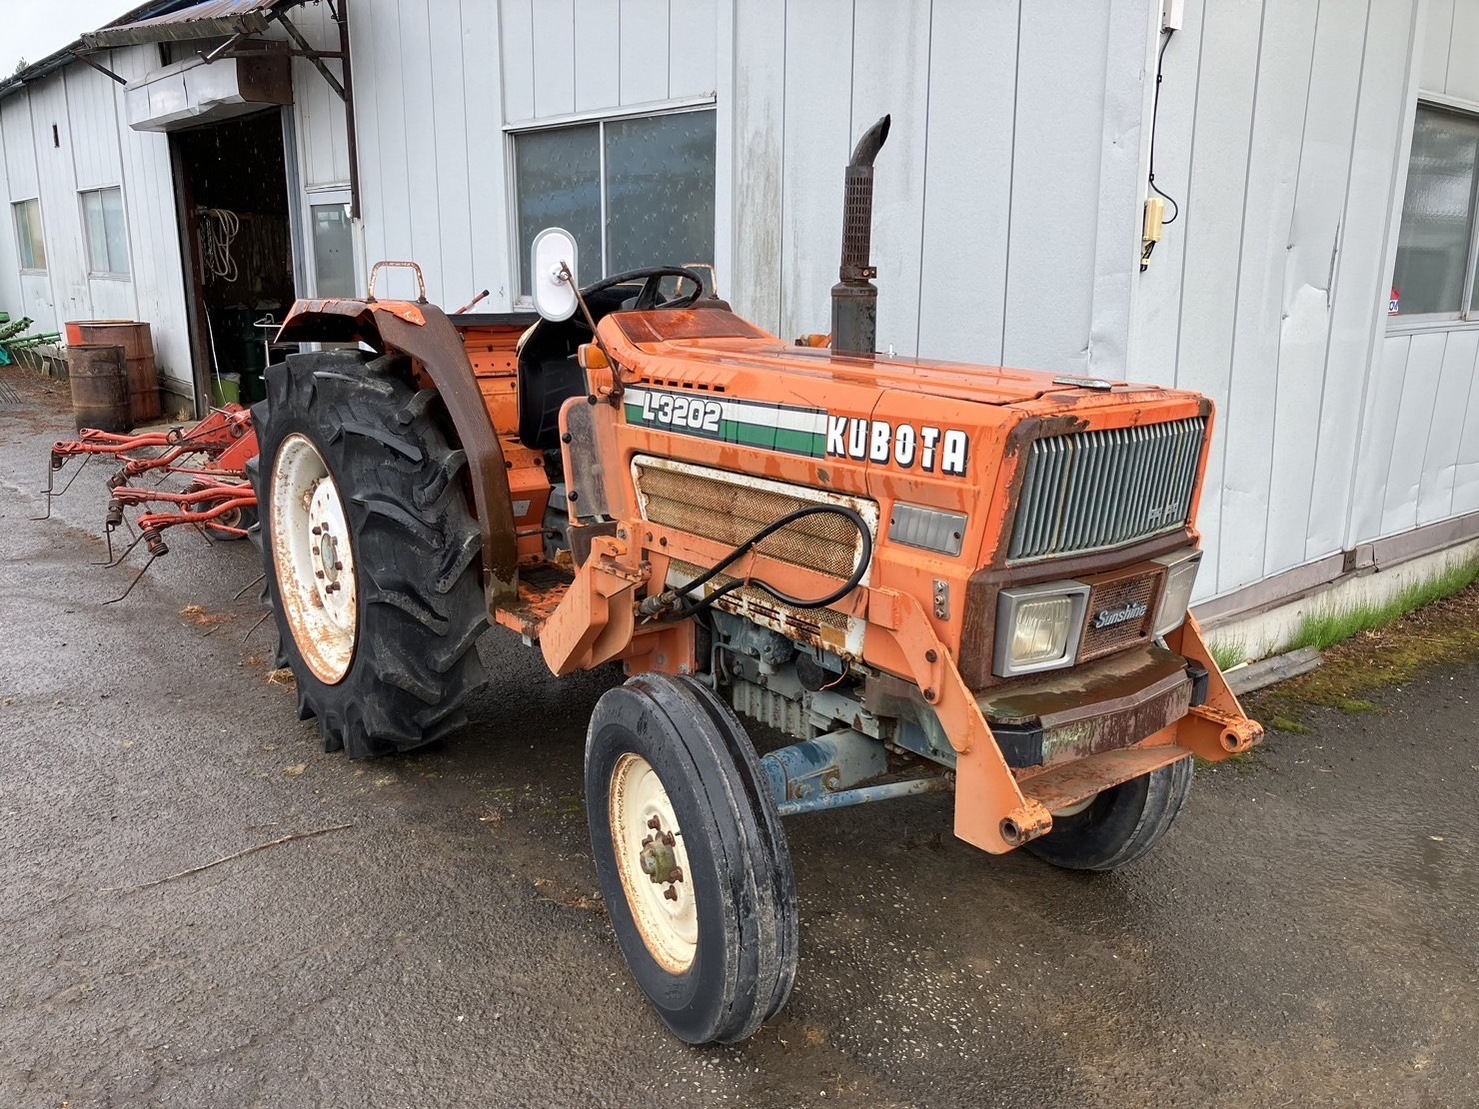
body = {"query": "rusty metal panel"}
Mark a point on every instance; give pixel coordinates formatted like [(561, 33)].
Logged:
[(1066, 785)]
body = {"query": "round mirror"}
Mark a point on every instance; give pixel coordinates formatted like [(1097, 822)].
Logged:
[(552, 273)]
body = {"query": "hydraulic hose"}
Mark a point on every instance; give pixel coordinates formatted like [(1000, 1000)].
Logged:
[(677, 598)]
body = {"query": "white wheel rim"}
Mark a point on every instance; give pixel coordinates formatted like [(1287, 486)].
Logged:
[(668, 924), (314, 558)]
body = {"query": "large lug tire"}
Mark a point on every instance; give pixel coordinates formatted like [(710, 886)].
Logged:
[(714, 949), (370, 553), (1119, 825)]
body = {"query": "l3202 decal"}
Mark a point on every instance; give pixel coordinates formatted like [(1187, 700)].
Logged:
[(811, 432)]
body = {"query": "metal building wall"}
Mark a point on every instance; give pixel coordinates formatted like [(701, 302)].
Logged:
[(1283, 133), (93, 148), (437, 82), (1007, 208), (1419, 462)]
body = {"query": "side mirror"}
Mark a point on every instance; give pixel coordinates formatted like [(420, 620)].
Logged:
[(552, 274)]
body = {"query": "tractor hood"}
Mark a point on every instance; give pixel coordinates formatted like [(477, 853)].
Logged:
[(704, 346)]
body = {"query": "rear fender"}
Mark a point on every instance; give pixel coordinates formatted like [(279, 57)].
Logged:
[(425, 334)]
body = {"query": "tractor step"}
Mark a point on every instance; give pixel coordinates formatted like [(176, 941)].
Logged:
[(1061, 786)]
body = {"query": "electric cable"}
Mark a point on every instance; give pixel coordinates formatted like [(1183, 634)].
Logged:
[(1155, 109), (675, 598)]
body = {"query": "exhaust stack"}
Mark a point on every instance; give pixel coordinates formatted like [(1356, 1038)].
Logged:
[(854, 297)]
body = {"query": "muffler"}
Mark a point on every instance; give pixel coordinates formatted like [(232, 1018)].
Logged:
[(854, 297)]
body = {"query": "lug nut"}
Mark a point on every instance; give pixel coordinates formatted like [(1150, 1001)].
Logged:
[(654, 822), (338, 566), (668, 840), (317, 530), (670, 893), (318, 573), (676, 874)]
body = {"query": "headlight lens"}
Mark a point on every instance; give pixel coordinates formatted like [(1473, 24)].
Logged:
[(1042, 630), (1181, 576), (1038, 627)]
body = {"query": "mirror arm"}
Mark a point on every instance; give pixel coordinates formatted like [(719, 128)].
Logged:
[(618, 386)]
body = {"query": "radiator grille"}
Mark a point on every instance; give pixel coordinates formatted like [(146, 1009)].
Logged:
[(730, 512), (1122, 596), (1097, 489)]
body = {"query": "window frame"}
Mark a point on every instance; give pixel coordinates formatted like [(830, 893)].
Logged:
[(125, 274), (1467, 316), (15, 207), (600, 117)]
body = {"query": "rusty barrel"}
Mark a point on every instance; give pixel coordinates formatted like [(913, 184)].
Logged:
[(99, 374), (138, 350)]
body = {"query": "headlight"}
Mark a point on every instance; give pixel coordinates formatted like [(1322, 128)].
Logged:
[(1038, 627), (1181, 576)]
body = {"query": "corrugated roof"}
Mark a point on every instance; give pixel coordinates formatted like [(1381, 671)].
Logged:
[(67, 54), (210, 19)]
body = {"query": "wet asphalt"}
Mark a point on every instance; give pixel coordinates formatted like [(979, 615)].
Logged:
[(1308, 934)]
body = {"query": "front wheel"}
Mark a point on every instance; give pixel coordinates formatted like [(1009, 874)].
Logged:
[(692, 861), (370, 552), (1120, 824)]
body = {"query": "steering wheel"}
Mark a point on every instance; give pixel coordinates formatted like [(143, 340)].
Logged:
[(651, 278)]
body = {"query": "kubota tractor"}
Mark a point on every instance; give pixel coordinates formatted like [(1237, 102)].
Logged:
[(931, 576)]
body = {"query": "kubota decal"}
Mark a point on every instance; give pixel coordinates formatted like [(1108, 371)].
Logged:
[(929, 448)]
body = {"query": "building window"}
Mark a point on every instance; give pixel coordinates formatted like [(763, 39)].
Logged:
[(28, 234), (634, 192), (107, 238), (1436, 249), (333, 251)]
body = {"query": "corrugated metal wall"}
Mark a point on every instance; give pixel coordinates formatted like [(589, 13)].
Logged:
[(1283, 133), (1419, 457), (1006, 215), (92, 147)]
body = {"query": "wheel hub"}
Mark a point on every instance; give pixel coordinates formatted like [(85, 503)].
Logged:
[(653, 863), (314, 556)]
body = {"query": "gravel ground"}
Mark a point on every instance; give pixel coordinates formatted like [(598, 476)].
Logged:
[(1308, 934)]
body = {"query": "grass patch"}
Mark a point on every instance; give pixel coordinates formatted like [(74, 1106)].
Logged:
[(1431, 625), (1229, 654), (1328, 626)]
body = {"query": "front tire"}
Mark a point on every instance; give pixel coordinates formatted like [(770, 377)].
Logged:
[(692, 861), (1119, 825), (370, 553)]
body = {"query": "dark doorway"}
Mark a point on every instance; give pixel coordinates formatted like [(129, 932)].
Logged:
[(232, 188)]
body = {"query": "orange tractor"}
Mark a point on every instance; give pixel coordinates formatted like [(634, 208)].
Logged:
[(930, 576)]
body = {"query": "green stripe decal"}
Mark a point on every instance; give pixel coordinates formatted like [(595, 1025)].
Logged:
[(777, 427)]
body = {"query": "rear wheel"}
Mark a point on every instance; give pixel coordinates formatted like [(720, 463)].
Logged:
[(1119, 825), (693, 864), (370, 552)]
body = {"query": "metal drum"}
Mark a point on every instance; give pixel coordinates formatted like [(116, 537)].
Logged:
[(138, 348), (99, 377)]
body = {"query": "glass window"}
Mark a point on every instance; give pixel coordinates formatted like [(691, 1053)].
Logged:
[(107, 238), (633, 192), (333, 251), (28, 234), (1435, 247)]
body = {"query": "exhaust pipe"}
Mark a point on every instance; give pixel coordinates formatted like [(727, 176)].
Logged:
[(854, 297)]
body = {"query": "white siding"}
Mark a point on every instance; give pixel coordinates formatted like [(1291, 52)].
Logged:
[(93, 148), (153, 229), (1281, 135), (1007, 204)]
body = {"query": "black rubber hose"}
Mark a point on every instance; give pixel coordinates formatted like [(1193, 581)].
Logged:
[(865, 557)]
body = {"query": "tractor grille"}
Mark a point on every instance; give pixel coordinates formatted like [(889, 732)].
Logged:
[(1122, 596), (729, 508), (1097, 489)]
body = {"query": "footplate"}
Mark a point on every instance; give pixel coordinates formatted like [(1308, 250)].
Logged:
[(1063, 786)]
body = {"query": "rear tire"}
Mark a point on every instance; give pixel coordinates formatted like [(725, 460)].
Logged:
[(714, 950), (370, 553), (1119, 825)]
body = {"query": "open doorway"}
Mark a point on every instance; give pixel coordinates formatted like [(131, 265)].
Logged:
[(231, 181)]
